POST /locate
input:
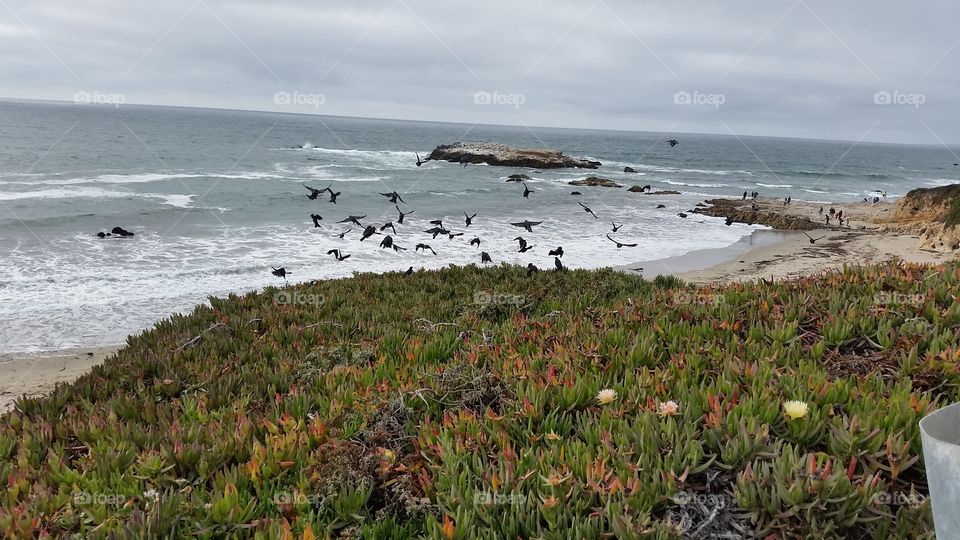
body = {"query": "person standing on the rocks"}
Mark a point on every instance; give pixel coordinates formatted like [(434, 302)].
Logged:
[(744, 196)]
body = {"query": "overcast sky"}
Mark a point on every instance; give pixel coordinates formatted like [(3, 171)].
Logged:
[(804, 68)]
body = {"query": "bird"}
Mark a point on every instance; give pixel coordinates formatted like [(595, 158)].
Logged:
[(387, 242), (419, 161), (314, 192), (316, 220), (620, 244), (681, 214), (615, 226), (532, 269), (389, 225), (280, 272), (729, 221), (526, 191), (485, 257), (339, 256), (398, 249), (409, 271), (436, 231), (522, 241), (438, 222), (344, 233), (425, 247), (527, 224), (812, 239), (469, 219), (453, 235), (673, 142), (333, 196), (353, 219), (525, 248), (402, 214), (558, 264), (588, 210), (368, 232), (556, 252), (393, 197), (475, 242)]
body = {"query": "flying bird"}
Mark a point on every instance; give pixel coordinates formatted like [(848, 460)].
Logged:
[(453, 235), (620, 244), (387, 242), (314, 192), (393, 197), (525, 248), (436, 231), (812, 239), (402, 214), (437, 222), (527, 224), (280, 272), (398, 249), (389, 225), (615, 226), (338, 255), (344, 233), (425, 247), (469, 219), (333, 196), (353, 219), (419, 161), (475, 242), (368, 232), (556, 252), (588, 210), (526, 191), (522, 240), (316, 220), (673, 142)]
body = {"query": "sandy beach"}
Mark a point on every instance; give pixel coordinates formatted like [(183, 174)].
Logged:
[(39, 374)]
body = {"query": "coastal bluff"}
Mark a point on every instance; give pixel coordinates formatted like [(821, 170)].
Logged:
[(506, 156), (931, 213)]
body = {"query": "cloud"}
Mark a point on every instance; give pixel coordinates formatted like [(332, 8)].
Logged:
[(804, 68)]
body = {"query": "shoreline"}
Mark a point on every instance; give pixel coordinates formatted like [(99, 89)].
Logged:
[(39, 374)]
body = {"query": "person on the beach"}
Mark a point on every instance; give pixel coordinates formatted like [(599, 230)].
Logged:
[(744, 196), (821, 211), (832, 211), (828, 219)]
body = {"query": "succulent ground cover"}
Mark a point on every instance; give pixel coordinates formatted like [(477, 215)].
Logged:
[(483, 403)]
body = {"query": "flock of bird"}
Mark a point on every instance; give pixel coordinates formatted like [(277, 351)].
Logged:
[(438, 228)]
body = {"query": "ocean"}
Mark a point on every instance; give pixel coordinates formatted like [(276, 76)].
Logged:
[(214, 198)]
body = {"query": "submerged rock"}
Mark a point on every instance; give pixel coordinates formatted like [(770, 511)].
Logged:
[(517, 178), (503, 155), (594, 181), (629, 169)]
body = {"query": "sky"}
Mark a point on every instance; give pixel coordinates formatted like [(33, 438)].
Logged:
[(858, 70)]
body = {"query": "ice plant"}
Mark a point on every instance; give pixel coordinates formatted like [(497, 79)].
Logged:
[(668, 408), (607, 395), (795, 409)]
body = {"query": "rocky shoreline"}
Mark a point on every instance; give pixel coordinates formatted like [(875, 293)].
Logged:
[(506, 156)]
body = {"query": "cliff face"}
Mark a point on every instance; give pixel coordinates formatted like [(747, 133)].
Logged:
[(503, 155), (933, 213)]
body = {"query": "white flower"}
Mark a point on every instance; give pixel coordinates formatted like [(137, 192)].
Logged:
[(607, 395), (150, 494), (795, 409), (668, 408)]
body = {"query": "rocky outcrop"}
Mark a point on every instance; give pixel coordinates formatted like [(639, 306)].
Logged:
[(629, 169), (933, 214), (506, 156), (517, 178), (646, 191), (742, 212), (594, 181)]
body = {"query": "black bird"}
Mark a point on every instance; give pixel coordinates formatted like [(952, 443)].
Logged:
[(398, 248), (526, 191), (280, 272), (393, 197), (522, 241), (673, 142), (661, 206), (615, 226), (475, 242), (485, 257), (556, 252), (409, 271), (333, 196), (558, 264), (620, 244), (463, 159), (453, 235), (344, 233), (812, 239), (402, 214), (532, 269), (387, 242), (438, 222), (353, 219), (469, 219), (729, 221), (389, 225), (316, 219), (425, 247), (588, 210), (314, 192), (527, 224), (524, 248), (419, 161), (339, 256), (368, 232), (576, 193), (681, 214), (436, 231)]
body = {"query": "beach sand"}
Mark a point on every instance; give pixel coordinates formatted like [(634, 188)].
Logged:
[(39, 374)]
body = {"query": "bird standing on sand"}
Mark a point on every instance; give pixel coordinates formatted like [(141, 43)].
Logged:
[(812, 239), (402, 214), (620, 244), (339, 256), (556, 252), (527, 224), (485, 257), (526, 191), (280, 272), (316, 220), (588, 210), (425, 247), (469, 219)]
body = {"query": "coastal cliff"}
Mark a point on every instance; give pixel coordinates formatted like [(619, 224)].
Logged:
[(506, 156), (931, 213)]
